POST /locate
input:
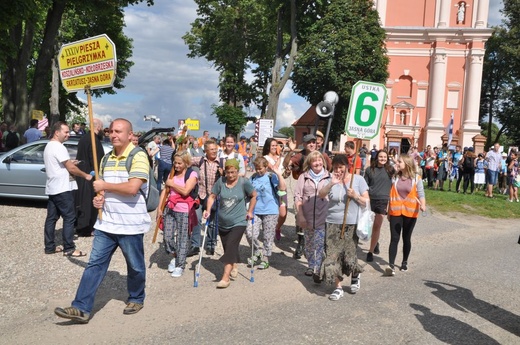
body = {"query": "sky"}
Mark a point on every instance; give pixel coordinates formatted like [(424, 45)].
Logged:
[(166, 83)]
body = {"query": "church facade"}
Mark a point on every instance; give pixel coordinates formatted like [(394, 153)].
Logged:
[(436, 51)]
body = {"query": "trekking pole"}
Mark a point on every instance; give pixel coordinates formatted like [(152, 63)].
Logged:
[(197, 270), (252, 279)]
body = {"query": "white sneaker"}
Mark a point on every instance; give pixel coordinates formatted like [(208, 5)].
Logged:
[(355, 284), (177, 272), (171, 265), (389, 271)]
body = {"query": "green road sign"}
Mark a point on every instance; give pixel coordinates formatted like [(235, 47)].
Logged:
[(365, 110)]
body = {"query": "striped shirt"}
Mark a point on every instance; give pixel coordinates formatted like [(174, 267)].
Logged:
[(125, 214)]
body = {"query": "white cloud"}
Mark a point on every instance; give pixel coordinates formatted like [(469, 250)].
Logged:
[(166, 83)]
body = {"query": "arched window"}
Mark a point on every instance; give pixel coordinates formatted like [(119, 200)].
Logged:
[(405, 86)]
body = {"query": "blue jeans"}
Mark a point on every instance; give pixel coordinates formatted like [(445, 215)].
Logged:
[(103, 248), (163, 170), (60, 205)]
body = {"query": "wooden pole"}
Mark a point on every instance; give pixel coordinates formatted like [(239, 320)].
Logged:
[(162, 205), (352, 172), (93, 140)]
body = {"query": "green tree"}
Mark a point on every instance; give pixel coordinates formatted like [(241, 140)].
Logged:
[(345, 46), (221, 34), (234, 118), (31, 38), (289, 131), (498, 88)]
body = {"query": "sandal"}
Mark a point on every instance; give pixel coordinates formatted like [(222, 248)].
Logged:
[(308, 272), (263, 265), (58, 249), (336, 294), (74, 254)]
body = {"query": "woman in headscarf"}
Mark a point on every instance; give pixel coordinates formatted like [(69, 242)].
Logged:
[(234, 193)]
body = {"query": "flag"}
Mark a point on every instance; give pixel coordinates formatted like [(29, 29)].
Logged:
[(450, 130)]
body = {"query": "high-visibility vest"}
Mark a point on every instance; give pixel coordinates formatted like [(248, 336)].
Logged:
[(409, 206), (242, 148)]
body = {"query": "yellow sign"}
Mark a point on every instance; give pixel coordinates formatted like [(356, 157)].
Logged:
[(91, 61), (37, 114), (193, 125)]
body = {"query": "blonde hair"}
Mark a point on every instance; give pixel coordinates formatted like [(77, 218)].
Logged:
[(311, 157), (260, 162), (184, 156)]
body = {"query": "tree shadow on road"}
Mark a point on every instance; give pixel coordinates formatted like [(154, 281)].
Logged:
[(462, 299), (448, 329)]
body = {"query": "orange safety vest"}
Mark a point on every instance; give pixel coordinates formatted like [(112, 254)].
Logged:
[(242, 148), (409, 206)]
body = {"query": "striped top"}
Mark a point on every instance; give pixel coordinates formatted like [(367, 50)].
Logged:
[(125, 214)]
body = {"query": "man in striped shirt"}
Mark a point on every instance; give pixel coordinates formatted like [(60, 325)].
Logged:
[(124, 222)]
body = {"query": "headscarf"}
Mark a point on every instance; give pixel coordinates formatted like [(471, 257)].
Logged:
[(233, 162)]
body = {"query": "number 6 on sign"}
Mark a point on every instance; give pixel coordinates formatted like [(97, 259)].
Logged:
[(365, 110)]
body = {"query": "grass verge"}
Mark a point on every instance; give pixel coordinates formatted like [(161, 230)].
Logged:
[(448, 202)]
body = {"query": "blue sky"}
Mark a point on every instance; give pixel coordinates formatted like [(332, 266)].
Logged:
[(166, 83)]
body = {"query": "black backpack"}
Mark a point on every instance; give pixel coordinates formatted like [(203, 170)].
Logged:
[(468, 163), (11, 140)]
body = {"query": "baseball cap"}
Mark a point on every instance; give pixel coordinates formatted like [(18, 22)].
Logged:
[(308, 138), (504, 154), (471, 149), (319, 134)]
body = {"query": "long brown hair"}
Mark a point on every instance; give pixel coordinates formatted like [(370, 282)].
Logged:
[(409, 167), (388, 167)]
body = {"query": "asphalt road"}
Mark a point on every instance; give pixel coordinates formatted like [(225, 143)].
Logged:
[(462, 287)]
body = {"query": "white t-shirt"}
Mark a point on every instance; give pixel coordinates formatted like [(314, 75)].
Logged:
[(222, 156), (151, 147), (54, 157), (272, 162)]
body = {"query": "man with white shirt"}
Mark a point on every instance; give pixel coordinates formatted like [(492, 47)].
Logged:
[(58, 167), (494, 160)]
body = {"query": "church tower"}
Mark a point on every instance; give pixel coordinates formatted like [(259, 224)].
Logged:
[(436, 50)]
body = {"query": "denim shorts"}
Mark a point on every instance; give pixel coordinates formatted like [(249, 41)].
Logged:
[(491, 177)]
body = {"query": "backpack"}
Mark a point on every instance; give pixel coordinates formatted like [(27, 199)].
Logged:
[(194, 194), (275, 189), (11, 140), (468, 163), (153, 198)]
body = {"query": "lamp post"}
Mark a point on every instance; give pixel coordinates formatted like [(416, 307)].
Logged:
[(152, 118)]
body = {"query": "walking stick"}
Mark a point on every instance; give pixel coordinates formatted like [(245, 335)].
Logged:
[(93, 140), (162, 204), (197, 271), (252, 279), (353, 171)]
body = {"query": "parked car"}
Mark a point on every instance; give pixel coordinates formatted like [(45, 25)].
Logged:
[(22, 171)]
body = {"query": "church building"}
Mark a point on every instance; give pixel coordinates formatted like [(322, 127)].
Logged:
[(436, 51)]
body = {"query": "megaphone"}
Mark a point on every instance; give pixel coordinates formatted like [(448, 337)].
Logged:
[(324, 109)]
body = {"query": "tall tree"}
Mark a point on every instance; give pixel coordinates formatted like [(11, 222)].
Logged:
[(344, 46), (497, 86), (500, 100), (31, 38)]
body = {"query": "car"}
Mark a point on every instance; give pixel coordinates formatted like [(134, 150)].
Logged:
[(22, 171)]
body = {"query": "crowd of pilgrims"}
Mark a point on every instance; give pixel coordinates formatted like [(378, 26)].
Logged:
[(231, 188)]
